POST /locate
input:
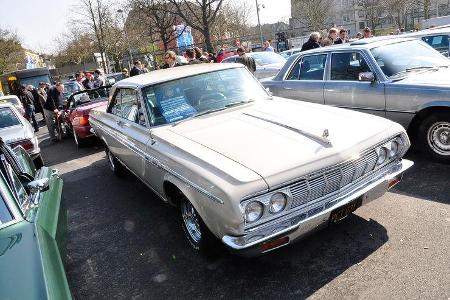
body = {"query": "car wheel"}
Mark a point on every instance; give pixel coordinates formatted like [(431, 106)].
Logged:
[(195, 230), (38, 162), (114, 164), (434, 133)]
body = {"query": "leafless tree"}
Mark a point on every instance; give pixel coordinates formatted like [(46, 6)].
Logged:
[(397, 10), (312, 14), (93, 14), (232, 21), (159, 15), (75, 47), (201, 15), (374, 11)]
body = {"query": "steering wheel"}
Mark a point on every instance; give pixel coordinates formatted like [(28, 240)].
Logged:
[(212, 96)]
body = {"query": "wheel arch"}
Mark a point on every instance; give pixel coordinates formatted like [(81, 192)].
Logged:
[(424, 112)]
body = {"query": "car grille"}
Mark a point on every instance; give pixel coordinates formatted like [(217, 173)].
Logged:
[(332, 180)]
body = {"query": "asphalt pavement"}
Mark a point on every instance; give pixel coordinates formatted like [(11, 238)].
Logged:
[(123, 242)]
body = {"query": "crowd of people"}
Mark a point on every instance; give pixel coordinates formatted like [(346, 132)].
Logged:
[(334, 37)]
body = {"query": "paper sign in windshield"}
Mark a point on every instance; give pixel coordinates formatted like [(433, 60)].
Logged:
[(176, 108)]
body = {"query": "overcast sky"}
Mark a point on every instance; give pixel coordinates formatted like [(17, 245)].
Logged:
[(39, 26)]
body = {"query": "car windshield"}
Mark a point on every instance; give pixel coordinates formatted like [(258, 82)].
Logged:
[(399, 59), (10, 99), (8, 118), (267, 58), (188, 97), (89, 96), (70, 87)]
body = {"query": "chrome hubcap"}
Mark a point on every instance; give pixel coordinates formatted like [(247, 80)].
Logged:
[(191, 221), (439, 138), (110, 160)]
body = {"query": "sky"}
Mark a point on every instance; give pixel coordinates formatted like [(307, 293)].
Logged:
[(38, 27)]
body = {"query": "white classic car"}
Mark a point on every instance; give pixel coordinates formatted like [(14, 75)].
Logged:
[(15, 130), (251, 170)]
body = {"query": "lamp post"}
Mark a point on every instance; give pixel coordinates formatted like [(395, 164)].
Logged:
[(259, 23), (120, 11)]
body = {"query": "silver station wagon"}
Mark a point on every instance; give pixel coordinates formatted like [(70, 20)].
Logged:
[(404, 80), (253, 171)]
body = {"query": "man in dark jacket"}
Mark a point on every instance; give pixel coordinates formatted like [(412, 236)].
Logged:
[(312, 43), (246, 60), (137, 68), (342, 37), (52, 106), (27, 99)]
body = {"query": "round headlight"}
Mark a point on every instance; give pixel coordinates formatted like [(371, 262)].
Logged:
[(382, 155), (394, 149), (253, 211), (277, 203)]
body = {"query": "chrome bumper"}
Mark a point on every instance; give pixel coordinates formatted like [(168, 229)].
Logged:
[(304, 221)]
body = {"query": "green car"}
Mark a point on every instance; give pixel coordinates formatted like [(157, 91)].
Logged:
[(32, 224)]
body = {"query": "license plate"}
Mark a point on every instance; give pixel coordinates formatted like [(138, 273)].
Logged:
[(343, 211)]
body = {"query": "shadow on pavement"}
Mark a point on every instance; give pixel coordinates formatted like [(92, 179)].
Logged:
[(124, 243), (427, 179), (51, 150)]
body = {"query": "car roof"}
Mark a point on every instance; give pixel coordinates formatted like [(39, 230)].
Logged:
[(431, 31), (164, 75), (362, 44)]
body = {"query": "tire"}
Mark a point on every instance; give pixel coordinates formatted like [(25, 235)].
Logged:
[(114, 164), (434, 136), (38, 162), (199, 236)]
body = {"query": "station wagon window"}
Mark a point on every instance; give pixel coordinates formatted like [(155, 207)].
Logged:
[(347, 66), (309, 67), (116, 104), (126, 105)]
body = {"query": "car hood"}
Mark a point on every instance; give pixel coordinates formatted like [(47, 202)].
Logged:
[(440, 77), (15, 133), (281, 139)]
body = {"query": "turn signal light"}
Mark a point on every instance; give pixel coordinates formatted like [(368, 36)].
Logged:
[(393, 182), (81, 121), (274, 244), (26, 144)]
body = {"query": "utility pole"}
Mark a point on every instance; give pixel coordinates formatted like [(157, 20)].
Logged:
[(259, 23), (130, 61)]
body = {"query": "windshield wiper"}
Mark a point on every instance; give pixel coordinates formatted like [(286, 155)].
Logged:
[(421, 68), (238, 103)]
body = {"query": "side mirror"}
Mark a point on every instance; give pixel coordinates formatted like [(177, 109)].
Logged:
[(366, 76), (40, 185)]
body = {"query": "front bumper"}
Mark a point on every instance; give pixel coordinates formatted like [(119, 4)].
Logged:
[(304, 221)]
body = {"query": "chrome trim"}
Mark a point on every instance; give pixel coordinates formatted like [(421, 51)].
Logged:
[(155, 162), (319, 139), (233, 241)]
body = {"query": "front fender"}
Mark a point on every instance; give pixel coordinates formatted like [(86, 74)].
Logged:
[(220, 218), (434, 103)]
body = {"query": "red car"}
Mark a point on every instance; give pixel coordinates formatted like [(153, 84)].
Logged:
[(76, 114)]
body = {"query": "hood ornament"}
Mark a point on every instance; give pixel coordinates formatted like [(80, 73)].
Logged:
[(325, 134)]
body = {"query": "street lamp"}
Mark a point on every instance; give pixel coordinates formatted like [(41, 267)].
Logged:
[(259, 22), (120, 11)]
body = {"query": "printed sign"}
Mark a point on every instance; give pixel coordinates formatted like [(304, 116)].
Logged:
[(184, 36)]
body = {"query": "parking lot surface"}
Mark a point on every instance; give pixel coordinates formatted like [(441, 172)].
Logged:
[(124, 243)]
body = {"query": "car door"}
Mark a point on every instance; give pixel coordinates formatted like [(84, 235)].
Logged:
[(305, 79), (134, 131), (344, 89)]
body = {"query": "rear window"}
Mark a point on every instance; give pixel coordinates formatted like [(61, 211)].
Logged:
[(436, 41), (8, 118)]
